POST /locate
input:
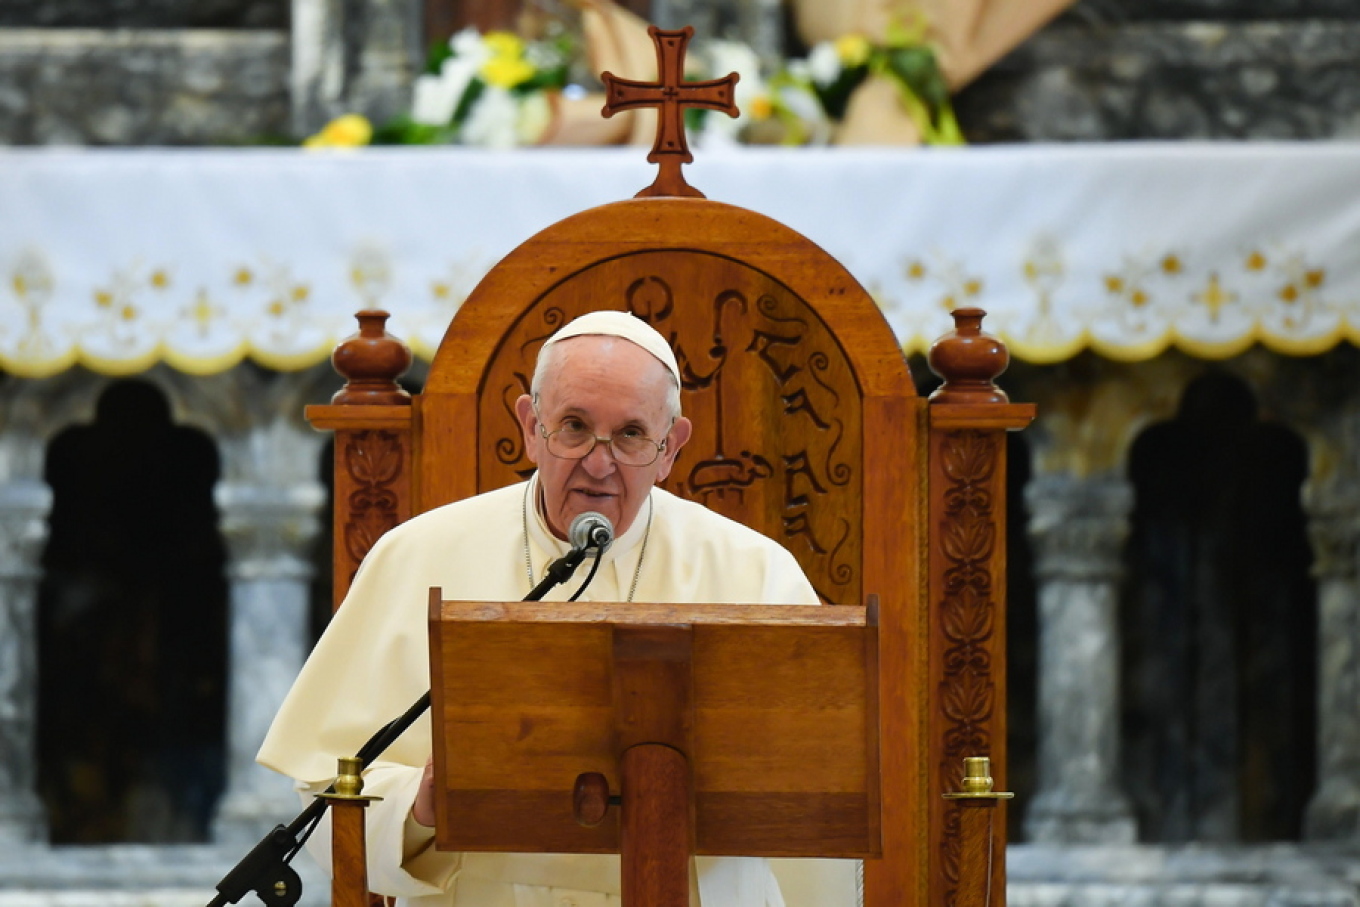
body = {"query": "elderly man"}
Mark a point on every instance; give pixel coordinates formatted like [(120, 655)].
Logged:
[(603, 425)]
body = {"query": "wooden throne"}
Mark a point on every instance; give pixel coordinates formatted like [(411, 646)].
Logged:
[(808, 427)]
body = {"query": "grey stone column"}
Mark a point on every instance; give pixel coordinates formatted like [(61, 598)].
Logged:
[(1334, 527), (24, 506), (1078, 528), (318, 62), (268, 531)]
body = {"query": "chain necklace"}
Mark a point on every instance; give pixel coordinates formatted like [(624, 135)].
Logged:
[(529, 562)]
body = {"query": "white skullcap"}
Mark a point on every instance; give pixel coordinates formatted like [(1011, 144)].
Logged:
[(620, 324)]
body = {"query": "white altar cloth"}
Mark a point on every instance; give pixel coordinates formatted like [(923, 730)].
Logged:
[(118, 259)]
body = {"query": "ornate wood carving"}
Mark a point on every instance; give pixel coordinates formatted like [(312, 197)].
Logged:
[(371, 467), (758, 365), (967, 617)]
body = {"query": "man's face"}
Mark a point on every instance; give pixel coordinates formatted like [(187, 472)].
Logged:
[(608, 385)]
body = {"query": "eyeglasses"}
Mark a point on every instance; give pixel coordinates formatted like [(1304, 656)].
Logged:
[(573, 441)]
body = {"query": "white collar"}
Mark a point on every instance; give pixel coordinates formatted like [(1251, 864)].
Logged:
[(544, 547)]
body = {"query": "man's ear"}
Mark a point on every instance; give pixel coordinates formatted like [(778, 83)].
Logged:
[(528, 424), (676, 438)]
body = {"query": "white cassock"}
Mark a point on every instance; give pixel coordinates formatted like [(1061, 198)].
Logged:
[(372, 664)]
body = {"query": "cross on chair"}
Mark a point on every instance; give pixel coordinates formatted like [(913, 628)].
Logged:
[(670, 95)]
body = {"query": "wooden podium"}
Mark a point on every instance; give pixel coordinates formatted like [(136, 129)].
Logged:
[(720, 729)]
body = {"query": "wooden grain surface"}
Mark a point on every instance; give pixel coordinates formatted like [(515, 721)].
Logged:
[(778, 725)]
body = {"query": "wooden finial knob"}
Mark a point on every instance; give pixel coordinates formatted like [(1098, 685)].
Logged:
[(969, 360), (371, 361), (590, 798)]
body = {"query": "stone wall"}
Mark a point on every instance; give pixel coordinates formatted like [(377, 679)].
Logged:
[(133, 87), (1176, 69), (144, 14)]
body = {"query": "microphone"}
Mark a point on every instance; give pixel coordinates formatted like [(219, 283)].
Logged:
[(591, 530)]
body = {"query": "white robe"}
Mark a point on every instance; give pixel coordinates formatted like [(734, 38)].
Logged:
[(372, 663)]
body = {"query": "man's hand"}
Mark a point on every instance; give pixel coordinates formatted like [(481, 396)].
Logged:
[(423, 809)]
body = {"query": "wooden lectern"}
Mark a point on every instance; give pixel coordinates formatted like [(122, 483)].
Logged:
[(721, 729), (807, 427)]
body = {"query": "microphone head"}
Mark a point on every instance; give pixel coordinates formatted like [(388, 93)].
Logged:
[(591, 530)]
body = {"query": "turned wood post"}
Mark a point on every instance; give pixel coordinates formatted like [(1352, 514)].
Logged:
[(349, 853), (653, 695), (371, 418), (968, 417)]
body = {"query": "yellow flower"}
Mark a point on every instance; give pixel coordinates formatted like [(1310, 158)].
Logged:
[(852, 49), (348, 131), (503, 44), (506, 72), (760, 107)]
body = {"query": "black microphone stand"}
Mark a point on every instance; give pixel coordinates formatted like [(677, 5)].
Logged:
[(265, 869)]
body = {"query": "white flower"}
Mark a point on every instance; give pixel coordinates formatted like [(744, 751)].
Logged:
[(798, 70), (730, 56), (468, 45), (437, 97), (535, 113), (493, 121), (824, 63), (733, 56), (802, 103)]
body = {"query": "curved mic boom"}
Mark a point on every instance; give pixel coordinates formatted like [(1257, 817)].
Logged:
[(591, 530)]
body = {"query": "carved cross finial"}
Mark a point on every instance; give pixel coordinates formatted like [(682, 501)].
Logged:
[(670, 95)]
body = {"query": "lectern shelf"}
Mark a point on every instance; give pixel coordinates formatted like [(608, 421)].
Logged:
[(774, 707)]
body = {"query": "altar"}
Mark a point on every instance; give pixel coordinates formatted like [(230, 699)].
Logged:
[(1117, 274), (117, 260)]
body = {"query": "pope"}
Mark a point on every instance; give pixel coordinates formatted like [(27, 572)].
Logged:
[(603, 425)]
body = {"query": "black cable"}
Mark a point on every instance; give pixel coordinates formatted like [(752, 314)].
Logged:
[(265, 868), (599, 556)]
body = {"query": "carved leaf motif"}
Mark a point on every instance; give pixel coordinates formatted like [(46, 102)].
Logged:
[(373, 458), (364, 530), (965, 740), (967, 699), (968, 457), (968, 539), (975, 498), (372, 496), (967, 616), (950, 847), (967, 657)]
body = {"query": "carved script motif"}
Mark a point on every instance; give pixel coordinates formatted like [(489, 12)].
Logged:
[(373, 461), (967, 619), (765, 381)]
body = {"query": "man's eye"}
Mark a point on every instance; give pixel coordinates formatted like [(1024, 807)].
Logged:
[(572, 427), (631, 434)]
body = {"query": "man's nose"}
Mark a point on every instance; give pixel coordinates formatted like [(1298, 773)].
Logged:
[(600, 461)]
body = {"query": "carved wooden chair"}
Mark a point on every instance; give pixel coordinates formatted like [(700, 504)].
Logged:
[(808, 428)]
